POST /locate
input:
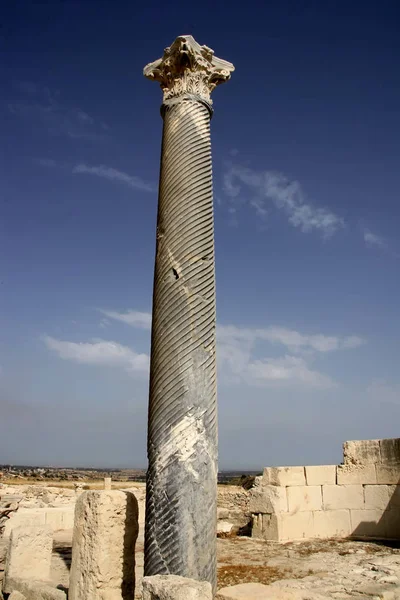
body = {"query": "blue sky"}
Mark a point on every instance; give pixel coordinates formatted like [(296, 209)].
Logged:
[(305, 148)]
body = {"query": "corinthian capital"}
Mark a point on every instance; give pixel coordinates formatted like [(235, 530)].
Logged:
[(188, 68)]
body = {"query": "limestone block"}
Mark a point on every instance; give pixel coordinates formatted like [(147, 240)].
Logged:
[(29, 553), (257, 526), (332, 523), (336, 497), (103, 548), (25, 517), (321, 475), (390, 451), (376, 496), (36, 590), (107, 483), (392, 524), (356, 474), (284, 476), (394, 496), (173, 587), (307, 497), (368, 522), (68, 519), (298, 526), (224, 527), (222, 513), (387, 474), (361, 452), (54, 518), (268, 499)]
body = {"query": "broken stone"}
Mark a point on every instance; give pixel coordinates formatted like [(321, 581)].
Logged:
[(174, 587)]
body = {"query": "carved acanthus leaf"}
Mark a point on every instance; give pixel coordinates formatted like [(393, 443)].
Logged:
[(188, 68)]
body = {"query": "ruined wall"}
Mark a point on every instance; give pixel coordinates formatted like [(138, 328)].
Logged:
[(360, 498)]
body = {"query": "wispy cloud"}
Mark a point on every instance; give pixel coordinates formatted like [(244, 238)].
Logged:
[(114, 175), (134, 318), (262, 190), (241, 359), (99, 352), (372, 239), (44, 108)]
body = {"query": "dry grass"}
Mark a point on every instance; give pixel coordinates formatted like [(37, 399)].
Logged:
[(91, 484), (235, 574)]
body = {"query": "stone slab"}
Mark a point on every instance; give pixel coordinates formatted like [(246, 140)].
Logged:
[(386, 474), (29, 553), (284, 476), (361, 452), (332, 523), (268, 499), (173, 587), (304, 498), (356, 474), (368, 523), (103, 548), (390, 451), (377, 496), (336, 497), (259, 591), (321, 475), (36, 590), (296, 526)]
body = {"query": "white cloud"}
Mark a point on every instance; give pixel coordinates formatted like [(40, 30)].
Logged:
[(114, 175), (372, 239), (134, 318), (286, 369), (99, 352), (261, 189)]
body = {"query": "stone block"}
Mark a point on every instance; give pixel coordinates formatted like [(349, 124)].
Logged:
[(321, 475), (174, 587), (36, 590), (265, 527), (224, 527), (103, 548), (356, 474), (29, 553), (54, 518), (394, 496), (304, 498), (392, 523), (25, 517), (246, 591), (284, 476), (386, 474), (332, 523), (336, 497), (268, 499), (107, 483), (68, 519), (376, 496), (298, 526), (361, 452), (390, 451), (368, 523)]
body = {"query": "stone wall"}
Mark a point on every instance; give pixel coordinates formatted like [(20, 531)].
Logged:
[(359, 498)]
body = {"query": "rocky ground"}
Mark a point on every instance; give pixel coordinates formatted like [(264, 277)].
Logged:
[(310, 570)]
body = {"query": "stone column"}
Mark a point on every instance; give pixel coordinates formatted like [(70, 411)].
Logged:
[(180, 535)]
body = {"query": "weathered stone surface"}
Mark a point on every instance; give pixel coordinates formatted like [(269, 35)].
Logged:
[(387, 474), (36, 590), (376, 496), (15, 595), (258, 591), (356, 474), (296, 526), (332, 523), (284, 476), (304, 498), (268, 499), (103, 550), (394, 496), (224, 527), (173, 587), (29, 554), (390, 451), (107, 483), (361, 452), (368, 523), (321, 475), (336, 497)]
